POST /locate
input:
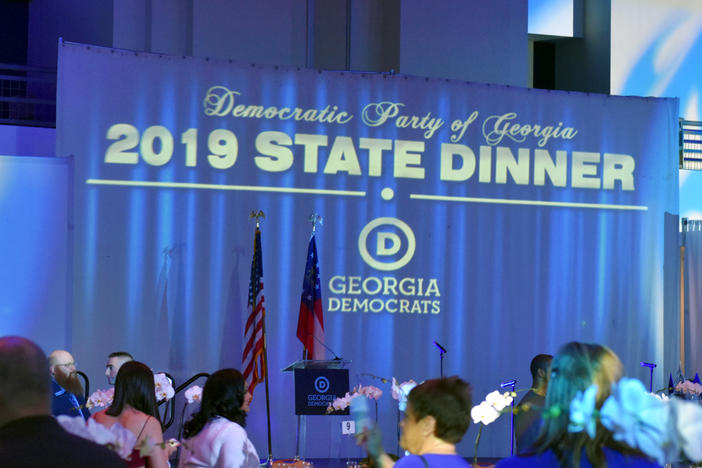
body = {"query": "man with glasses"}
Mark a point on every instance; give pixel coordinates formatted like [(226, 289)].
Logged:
[(67, 391)]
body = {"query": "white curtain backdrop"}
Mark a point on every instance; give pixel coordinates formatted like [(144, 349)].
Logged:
[(692, 240)]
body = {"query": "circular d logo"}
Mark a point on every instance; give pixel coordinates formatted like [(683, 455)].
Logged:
[(321, 384), (387, 243)]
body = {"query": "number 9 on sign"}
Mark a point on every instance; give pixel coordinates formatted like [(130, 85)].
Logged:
[(348, 427)]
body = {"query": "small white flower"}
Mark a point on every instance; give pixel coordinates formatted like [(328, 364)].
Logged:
[(100, 398), (400, 392), (499, 400), (116, 437), (687, 387), (484, 413), (193, 394), (145, 447), (639, 419), (582, 410), (164, 387), (74, 425), (370, 391), (688, 425), (124, 440)]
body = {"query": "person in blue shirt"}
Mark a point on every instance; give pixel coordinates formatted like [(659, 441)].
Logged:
[(436, 419), (66, 390), (29, 435)]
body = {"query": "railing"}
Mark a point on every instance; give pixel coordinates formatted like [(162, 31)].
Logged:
[(87, 383), (169, 413), (27, 95)]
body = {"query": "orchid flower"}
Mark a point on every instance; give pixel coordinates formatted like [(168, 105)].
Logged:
[(639, 419), (400, 392), (193, 394), (340, 404), (100, 398), (164, 387), (116, 437), (582, 412)]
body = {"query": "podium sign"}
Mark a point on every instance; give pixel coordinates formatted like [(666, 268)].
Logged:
[(315, 389)]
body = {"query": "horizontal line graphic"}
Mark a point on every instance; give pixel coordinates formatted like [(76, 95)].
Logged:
[(505, 201), (243, 188)]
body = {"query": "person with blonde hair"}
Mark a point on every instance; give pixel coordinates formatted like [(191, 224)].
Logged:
[(576, 367)]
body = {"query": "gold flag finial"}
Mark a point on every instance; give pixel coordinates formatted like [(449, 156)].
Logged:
[(258, 215), (315, 219)]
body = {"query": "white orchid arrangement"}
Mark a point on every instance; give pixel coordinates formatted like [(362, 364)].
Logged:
[(488, 411), (116, 438), (193, 394), (164, 387), (103, 398), (668, 430), (688, 388), (340, 404), (491, 408), (100, 398), (400, 392)]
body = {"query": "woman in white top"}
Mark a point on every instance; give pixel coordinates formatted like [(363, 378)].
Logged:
[(215, 436)]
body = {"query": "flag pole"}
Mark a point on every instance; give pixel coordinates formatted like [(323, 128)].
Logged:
[(268, 398), (258, 216)]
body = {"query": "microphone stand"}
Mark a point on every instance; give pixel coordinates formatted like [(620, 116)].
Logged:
[(442, 351), (511, 383), (650, 366)]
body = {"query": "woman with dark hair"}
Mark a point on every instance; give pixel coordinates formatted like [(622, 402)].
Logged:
[(436, 418), (574, 369), (134, 407), (215, 436)]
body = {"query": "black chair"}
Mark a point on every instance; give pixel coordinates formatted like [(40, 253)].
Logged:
[(86, 381)]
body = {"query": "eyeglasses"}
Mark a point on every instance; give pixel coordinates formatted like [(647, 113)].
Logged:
[(69, 364)]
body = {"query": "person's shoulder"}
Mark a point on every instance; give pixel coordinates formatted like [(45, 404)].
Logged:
[(224, 425), (410, 461), (615, 458), (546, 459), (100, 415), (49, 444), (532, 397), (447, 461), (152, 427)]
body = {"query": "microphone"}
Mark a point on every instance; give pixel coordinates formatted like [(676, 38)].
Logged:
[(508, 384), (441, 348), (336, 357), (650, 365)]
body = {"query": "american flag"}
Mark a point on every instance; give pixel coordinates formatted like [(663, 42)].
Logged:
[(253, 360)]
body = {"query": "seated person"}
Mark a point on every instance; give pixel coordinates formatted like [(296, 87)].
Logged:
[(574, 369), (29, 435), (114, 362), (66, 388), (437, 417), (134, 407), (215, 436), (527, 415)]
